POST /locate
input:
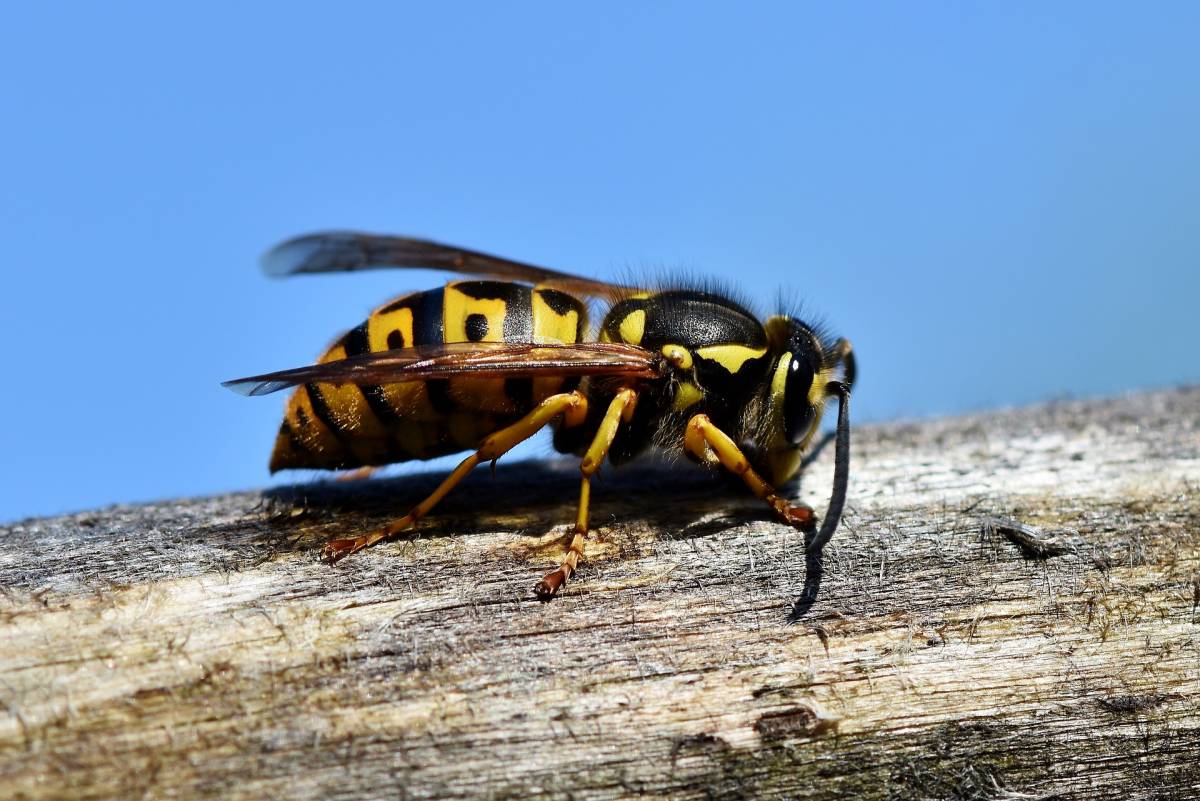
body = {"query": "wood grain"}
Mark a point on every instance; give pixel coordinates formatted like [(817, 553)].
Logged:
[(196, 648)]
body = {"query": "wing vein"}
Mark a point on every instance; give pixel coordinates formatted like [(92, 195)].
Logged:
[(349, 251), (479, 359)]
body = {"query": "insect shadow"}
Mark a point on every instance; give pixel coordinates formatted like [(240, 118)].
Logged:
[(530, 498)]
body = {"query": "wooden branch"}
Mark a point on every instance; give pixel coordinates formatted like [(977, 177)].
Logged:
[(197, 648)]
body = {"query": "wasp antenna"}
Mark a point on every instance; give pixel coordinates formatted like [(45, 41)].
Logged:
[(845, 355), (841, 468)]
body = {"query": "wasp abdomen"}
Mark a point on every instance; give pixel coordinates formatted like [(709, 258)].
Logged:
[(338, 426)]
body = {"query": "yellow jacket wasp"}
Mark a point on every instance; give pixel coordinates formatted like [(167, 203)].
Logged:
[(484, 364)]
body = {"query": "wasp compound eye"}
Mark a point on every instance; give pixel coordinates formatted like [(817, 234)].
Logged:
[(797, 410)]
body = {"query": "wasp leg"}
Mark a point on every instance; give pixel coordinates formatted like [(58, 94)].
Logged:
[(710, 444), (619, 410), (573, 407)]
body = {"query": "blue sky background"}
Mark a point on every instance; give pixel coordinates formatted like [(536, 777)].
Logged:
[(997, 203)]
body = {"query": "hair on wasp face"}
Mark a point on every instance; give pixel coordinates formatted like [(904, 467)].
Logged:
[(482, 364)]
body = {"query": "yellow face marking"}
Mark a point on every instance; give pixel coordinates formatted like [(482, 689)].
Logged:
[(816, 396), (778, 386), (783, 459), (678, 355), (632, 327), (731, 357), (816, 393), (687, 395), (779, 381)]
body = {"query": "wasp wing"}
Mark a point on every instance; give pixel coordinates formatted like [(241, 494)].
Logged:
[(348, 251), (478, 359)]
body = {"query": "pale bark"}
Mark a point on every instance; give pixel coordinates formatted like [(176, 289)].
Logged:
[(197, 648)]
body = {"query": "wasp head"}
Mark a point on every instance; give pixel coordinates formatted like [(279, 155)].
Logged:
[(805, 363)]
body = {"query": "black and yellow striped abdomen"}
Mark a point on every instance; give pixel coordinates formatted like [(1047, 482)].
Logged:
[(344, 426)]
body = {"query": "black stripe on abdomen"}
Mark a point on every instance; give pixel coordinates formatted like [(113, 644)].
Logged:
[(427, 310), (428, 329), (321, 409), (518, 327), (285, 430), (518, 314), (357, 343)]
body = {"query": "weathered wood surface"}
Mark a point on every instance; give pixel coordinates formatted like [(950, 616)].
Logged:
[(198, 649)]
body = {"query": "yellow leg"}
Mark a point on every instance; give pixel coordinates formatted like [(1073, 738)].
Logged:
[(619, 410), (707, 442), (573, 407)]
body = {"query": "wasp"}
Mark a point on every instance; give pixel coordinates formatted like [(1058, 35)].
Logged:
[(484, 363)]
